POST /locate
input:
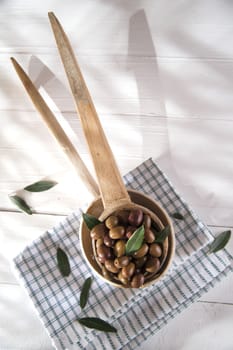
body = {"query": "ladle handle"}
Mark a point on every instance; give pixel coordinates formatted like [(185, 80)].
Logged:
[(56, 130), (111, 185)]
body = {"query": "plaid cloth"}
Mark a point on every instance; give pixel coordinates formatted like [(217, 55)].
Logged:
[(136, 313)]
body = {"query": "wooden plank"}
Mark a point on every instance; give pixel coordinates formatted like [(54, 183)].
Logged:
[(186, 149), (133, 86), (201, 326), (20, 327), (181, 29)]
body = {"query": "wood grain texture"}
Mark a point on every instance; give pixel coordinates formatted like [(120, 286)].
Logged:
[(112, 189), (161, 78), (59, 134)]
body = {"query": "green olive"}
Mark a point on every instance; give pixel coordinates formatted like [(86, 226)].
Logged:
[(142, 251), (149, 236), (155, 250), (128, 271), (98, 231), (109, 264), (117, 232), (119, 248), (122, 261), (111, 221), (137, 280), (152, 265)]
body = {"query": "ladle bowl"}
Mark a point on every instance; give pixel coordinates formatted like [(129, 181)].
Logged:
[(96, 208)]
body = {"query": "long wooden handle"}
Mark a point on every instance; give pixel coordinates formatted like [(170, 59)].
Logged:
[(56, 130), (111, 185)]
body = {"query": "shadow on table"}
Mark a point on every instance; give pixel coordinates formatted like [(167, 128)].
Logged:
[(139, 42), (59, 98), (153, 112)]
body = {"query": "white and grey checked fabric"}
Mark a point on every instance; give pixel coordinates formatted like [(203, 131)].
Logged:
[(135, 313)]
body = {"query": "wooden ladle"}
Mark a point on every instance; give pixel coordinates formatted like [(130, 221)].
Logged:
[(112, 188), (113, 192)]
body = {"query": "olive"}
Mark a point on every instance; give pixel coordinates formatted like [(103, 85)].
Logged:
[(122, 279), (117, 232), (122, 261), (147, 221), (149, 236), (109, 264), (103, 251), (99, 242), (109, 242), (119, 248), (141, 252), (152, 265), (123, 216), (128, 271), (98, 231), (102, 259), (129, 234), (140, 262), (137, 280), (129, 231), (111, 221), (155, 250), (135, 217), (107, 274)]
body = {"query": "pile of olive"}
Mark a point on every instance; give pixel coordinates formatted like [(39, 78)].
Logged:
[(110, 238)]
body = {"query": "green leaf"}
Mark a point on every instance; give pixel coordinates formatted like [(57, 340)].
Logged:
[(90, 220), (63, 262), (177, 216), (85, 292), (220, 242), (162, 235), (96, 323), (21, 204), (40, 186), (135, 241)]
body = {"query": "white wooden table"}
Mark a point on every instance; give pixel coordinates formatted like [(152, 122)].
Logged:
[(161, 76)]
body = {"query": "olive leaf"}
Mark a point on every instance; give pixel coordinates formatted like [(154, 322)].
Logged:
[(21, 204), (63, 262), (40, 186), (219, 242), (155, 226), (135, 241), (162, 235), (96, 323), (90, 220), (85, 292), (177, 216)]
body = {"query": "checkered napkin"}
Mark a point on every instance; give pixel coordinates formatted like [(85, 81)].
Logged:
[(136, 313)]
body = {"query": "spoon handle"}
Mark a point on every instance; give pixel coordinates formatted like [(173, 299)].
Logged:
[(56, 130), (112, 189)]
